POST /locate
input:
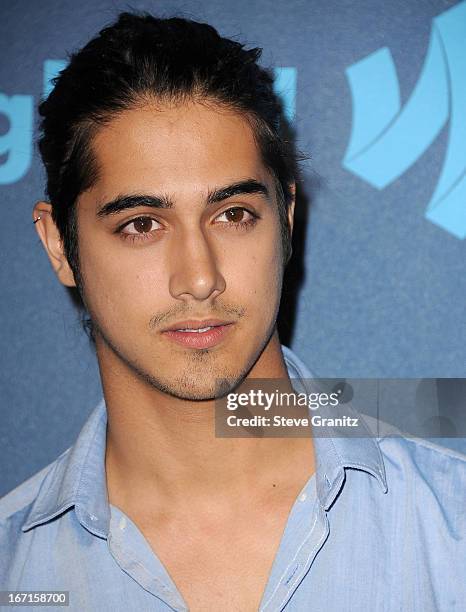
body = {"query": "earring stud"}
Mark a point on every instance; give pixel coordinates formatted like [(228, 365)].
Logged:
[(36, 220)]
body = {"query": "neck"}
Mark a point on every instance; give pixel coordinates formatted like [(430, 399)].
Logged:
[(162, 450)]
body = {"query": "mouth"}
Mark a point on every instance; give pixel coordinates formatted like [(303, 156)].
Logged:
[(198, 334)]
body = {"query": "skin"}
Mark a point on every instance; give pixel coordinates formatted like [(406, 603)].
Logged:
[(193, 264)]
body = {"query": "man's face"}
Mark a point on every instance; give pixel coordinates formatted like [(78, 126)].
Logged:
[(209, 250)]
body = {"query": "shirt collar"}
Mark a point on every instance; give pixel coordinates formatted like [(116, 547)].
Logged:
[(335, 454), (77, 478)]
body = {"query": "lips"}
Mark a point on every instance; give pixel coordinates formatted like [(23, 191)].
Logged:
[(198, 334), (197, 331), (194, 326)]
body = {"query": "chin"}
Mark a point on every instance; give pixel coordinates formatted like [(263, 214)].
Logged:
[(191, 389), (196, 384)]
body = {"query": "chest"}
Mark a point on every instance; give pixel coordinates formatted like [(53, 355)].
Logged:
[(220, 565)]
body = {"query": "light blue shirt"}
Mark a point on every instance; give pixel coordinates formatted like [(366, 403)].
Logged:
[(380, 527)]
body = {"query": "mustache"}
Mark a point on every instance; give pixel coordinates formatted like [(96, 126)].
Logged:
[(181, 312)]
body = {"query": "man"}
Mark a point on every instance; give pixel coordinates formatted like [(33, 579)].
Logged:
[(171, 201)]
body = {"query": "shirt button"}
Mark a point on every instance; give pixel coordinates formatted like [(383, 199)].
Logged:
[(303, 497), (122, 523)]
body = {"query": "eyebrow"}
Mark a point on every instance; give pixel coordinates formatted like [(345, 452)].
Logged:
[(125, 202)]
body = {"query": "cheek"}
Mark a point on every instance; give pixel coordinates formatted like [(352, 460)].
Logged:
[(121, 286), (254, 272)]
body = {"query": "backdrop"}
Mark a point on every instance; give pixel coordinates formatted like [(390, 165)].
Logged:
[(376, 92)]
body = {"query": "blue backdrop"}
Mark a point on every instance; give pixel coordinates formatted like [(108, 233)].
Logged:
[(377, 94)]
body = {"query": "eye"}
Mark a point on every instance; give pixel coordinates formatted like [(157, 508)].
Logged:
[(237, 216), (139, 228), (145, 228)]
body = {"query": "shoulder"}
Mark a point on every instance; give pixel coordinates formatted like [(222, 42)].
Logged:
[(422, 469), (17, 502), (400, 446), (425, 459), (396, 443), (15, 508), (422, 452)]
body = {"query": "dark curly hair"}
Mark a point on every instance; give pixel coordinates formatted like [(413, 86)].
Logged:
[(142, 58)]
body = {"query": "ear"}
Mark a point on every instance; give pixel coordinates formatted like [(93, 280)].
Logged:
[(50, 237), (291, 207)]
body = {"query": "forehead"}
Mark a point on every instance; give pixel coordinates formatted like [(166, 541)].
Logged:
[(179, 148)]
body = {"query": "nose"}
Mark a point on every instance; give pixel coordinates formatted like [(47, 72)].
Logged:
[(194, 272)]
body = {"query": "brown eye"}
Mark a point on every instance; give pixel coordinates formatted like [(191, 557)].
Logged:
[(235, 214), (141, 225)]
